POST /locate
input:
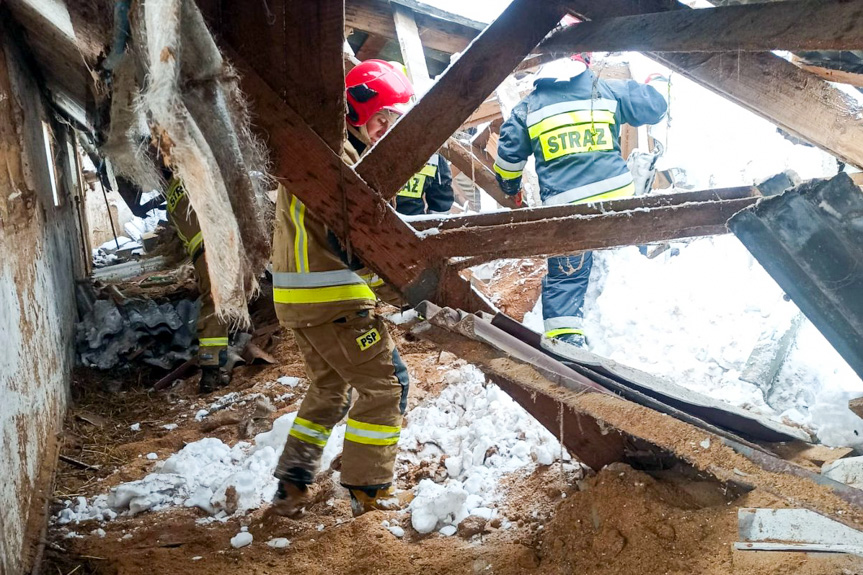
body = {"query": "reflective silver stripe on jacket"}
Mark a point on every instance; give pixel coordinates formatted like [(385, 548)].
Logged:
[(316, 279), (563, 322), (433, 160), (596, 188), (570, 106), (510, 166)]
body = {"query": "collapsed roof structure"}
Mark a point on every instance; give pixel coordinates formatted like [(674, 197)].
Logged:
[(121, 72)]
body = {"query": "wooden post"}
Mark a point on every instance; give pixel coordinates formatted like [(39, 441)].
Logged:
[(411, 48)]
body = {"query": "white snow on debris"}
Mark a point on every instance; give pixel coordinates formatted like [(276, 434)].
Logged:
[(241, 539), (289, 381), (484, 435), (482, 431)]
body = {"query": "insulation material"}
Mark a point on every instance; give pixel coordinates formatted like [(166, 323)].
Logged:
[(200, 122)]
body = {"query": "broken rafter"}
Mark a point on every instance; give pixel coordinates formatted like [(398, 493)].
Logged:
[(780, 92), (576, 233), (627, 204), (830, 25), (462, 88), (472, 167)]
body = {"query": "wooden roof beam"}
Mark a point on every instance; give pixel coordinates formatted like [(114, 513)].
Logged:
[(829, 25), (541, 236), (462, 88), (472, 167), (622, 205)]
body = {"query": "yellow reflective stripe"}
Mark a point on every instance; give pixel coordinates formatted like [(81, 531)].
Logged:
[(569, 119), (301, 240), (429, 170), (303, 422), (310, 432), (175, 194), (563, 331), (371, 433), (213, 342), (370, 440), (373, 426), (506, 174), (596, 137), (323, 294), (307, 438), (414, 187), (624, 192), (194, 244)]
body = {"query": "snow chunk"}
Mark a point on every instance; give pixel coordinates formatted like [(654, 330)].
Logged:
[(135, 427), (152, 456), (289, 381), (241, 539), (279, 543)]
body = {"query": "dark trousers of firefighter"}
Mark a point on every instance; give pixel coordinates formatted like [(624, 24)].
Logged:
[(355, 351), (563, 292), (212, 332)]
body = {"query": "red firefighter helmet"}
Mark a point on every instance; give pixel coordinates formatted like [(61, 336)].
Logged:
[(375, 85)]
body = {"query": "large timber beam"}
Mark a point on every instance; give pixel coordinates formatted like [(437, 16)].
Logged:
[(476, 170), (297, 48), (502, 218), (461, 89), (829, 25), (572, 234), (780, 92)]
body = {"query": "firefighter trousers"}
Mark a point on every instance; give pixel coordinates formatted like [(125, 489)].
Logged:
[(212, 332), (353, 352), (563, 292)]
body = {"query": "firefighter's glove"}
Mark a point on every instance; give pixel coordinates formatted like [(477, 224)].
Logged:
[(519, 199)]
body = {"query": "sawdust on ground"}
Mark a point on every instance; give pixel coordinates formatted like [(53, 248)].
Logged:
[(620, 521)]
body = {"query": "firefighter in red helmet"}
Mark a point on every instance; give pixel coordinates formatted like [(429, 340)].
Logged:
[(328, 300)]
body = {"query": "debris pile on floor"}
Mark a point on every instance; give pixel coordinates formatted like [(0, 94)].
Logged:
[(161, 335), (466, 440)]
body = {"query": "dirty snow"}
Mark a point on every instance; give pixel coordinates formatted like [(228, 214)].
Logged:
[(482, 431)]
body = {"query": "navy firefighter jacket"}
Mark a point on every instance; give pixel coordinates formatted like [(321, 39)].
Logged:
[(573, 130)]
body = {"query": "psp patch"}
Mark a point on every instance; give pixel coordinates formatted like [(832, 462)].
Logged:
[(368, 339)]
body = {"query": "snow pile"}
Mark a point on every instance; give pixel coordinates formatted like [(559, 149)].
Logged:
[(695, 318), (484, 435), (483, 432), (207, 474)]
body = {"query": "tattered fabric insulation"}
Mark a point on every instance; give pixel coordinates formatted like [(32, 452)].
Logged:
[(175, 79)]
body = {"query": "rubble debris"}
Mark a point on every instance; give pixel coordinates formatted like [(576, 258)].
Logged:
[(795, 530), (160, 335), (124, 271), (848, 471)]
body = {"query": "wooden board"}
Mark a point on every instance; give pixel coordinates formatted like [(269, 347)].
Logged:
[(829, 25), (411, 48), (577, 233), (473, 168)]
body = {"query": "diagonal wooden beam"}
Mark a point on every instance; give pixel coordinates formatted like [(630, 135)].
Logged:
[(473, 168), (577, 233), (780, 92), (332, 191), (829, 25), (461, 89)]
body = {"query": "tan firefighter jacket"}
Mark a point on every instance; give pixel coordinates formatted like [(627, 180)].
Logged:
[(312, 285)]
